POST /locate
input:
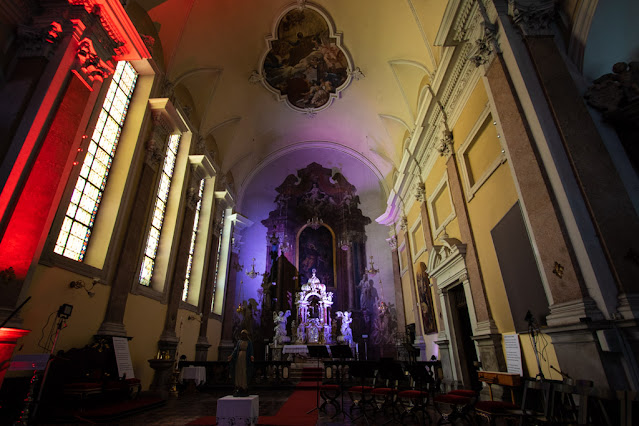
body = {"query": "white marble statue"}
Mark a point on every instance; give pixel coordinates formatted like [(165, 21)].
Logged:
[(345, 330), (279, 319)]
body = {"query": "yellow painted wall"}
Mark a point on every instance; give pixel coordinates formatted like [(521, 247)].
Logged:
[(50, 289), (490, 203), (546, 359), (143, 321)]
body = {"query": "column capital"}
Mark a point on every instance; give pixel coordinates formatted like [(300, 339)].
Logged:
[(445, 147), (420, 191), (392, 242), (533, 17)]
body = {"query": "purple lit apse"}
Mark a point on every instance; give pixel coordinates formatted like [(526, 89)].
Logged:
[(257, 199)]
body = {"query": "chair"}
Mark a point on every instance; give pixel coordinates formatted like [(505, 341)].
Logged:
[(536, 402), (459, 404), (386, 387), (415, 400), (363, 372)]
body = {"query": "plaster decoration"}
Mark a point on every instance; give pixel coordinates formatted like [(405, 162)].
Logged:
[(148, 41), (445, 147), (39, 40), (192, 197), (533, 17), (614, 91), (571, 312), (91, 66), (305, 63), (255, 77), (485, 50), (443, 256), (392, 242), (357, 73), (420, 191), (403, 224), (462, 22)]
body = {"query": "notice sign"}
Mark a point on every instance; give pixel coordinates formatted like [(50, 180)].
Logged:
[(123, 357), (513, 354)]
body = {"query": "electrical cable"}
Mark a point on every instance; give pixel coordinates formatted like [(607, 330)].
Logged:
[(42, 331)]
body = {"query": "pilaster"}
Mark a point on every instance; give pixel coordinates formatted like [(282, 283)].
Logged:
[(397, 283), (556, 266), (480, 301)]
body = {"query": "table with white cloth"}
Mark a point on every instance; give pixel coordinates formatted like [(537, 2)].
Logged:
[(295, 349), (195, 373), (238, 410)]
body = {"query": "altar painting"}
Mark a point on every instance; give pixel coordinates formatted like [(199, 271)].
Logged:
[(305, 64), (316, 252), (426, 304)]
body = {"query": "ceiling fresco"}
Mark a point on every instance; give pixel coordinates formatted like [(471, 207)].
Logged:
[(305, 64)]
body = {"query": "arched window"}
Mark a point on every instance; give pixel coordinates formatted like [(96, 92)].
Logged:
[(77, 225)]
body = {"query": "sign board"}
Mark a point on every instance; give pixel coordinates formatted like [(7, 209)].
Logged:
[(123, 357), (513, 354), (29, 362)]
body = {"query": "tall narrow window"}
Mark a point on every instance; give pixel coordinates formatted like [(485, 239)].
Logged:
[(217, 264), (196, 222), (80, 215), (158, 211)]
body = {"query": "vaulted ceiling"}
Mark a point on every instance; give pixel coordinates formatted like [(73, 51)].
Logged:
[(210, 48)]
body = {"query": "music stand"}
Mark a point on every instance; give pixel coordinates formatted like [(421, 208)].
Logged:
[(342, 352), (317, 351), (363, 370)]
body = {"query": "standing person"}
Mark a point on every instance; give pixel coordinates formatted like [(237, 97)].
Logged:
[(242, 364)]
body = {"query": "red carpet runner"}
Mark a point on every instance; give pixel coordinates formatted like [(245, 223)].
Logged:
[(293, 412)]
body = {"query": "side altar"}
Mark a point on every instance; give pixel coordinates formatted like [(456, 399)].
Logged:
[(313, 313)]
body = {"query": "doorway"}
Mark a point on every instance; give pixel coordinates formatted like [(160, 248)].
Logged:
[(463, 337)]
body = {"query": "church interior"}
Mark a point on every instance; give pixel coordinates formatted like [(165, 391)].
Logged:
[(449, 187)]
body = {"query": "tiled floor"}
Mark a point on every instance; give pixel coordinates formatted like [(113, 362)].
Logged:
[(186, 408), (189, 407)]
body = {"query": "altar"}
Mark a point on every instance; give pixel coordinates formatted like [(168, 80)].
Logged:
[(313, 313)]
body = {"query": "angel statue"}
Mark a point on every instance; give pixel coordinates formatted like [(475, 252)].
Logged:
[(345, 330), (279, 319)]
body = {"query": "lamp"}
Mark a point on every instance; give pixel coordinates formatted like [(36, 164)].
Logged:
[(241, 307), (237, 266), (371, 270), (252, 273), (315, 222), (81, 284)]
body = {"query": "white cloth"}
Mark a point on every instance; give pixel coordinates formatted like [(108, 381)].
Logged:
[(295, 349), (197, 374), (238, 410)]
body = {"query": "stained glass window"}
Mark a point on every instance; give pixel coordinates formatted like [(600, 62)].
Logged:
[(196, 222), (159, 209), (80, 215), (217, 264)]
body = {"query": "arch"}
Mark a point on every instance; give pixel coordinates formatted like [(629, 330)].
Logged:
[(307, 145)]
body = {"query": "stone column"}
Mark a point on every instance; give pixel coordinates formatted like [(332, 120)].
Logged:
[(202, 346), (169, 340), (428, 238), (128, 264), (419, 332), (397, 284), (600, 184)]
